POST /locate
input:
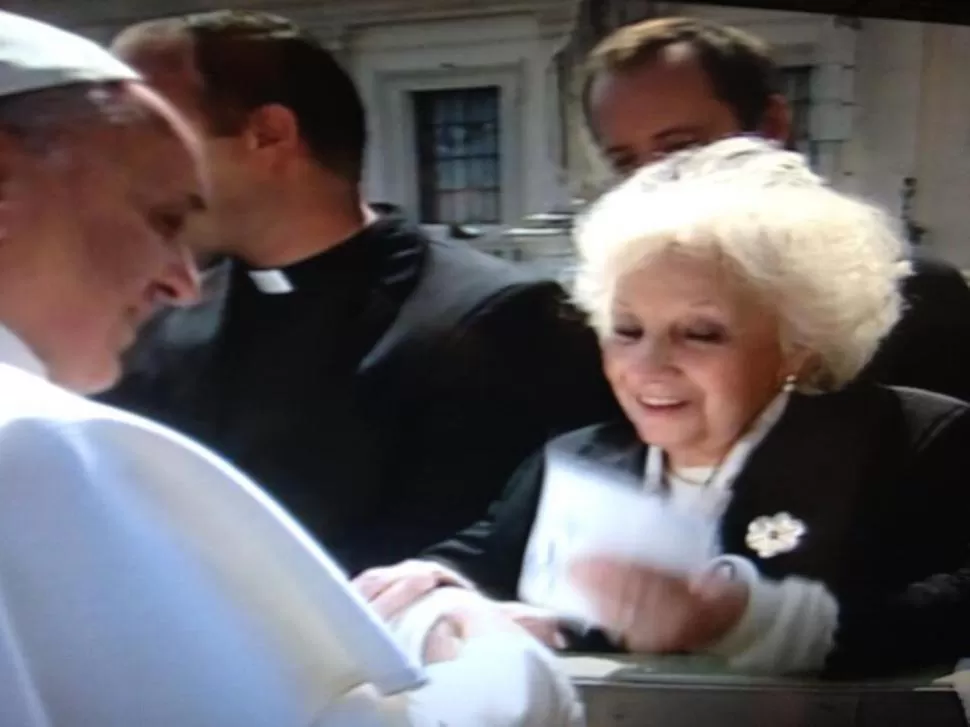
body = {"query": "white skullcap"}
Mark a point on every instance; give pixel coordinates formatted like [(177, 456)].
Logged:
[(35, 56)]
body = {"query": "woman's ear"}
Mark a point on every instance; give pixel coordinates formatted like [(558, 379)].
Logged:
[(800, 363)]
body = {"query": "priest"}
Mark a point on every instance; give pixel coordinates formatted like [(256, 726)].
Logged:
[(142, 579), (381, 384)]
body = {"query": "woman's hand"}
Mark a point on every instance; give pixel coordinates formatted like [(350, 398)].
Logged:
[(392, 590), (657, 612)]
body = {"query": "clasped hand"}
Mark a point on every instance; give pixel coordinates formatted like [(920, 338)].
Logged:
[(650, 610)]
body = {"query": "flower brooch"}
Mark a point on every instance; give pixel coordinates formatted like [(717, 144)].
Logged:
[(771, 536)]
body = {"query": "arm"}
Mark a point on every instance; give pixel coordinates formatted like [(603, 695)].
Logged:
[(499, 678), (490, 552), (487, 555), (518, 371), (923, 622)]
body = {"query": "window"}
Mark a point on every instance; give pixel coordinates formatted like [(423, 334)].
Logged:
[(459, 159), (797, 87)]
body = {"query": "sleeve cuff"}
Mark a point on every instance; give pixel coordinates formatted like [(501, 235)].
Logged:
[(787, 627), (500, 680)]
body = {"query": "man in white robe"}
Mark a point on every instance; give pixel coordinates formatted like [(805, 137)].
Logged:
[(143, 581)]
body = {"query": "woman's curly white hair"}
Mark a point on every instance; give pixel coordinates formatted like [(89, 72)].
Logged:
[(829, 264)]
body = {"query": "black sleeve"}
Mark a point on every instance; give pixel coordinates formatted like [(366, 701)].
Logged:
[(930, 347), (926, 623), (522, 369), (490, 552)]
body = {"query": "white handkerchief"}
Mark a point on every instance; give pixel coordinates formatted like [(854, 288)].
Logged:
[(584, 511)]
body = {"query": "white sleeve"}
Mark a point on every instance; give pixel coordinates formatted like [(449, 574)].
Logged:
[(787, 627), (504, 679)]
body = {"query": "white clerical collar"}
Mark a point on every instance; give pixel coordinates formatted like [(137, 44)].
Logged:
[(271, 282), (15, 352)]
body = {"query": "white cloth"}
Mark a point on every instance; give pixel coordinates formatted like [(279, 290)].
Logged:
[(143, 581), (36, 56)]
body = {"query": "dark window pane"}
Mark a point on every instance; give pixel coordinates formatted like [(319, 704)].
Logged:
[(459, 157), (797, 86)]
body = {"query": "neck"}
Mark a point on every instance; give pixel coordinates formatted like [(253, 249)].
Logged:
[(678, 461), (306, 225)]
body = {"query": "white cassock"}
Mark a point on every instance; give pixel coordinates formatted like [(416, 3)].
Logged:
[(144, 582)]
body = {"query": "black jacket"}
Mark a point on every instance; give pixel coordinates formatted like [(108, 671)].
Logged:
[(405, 399), (930, 346), (879, 477)]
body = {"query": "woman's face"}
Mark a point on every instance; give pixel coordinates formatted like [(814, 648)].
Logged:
[(693, 357)]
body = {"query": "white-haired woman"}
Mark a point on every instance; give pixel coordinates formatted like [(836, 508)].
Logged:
[(736, 297)]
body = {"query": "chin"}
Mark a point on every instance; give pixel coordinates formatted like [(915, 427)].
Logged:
[(664, 437)]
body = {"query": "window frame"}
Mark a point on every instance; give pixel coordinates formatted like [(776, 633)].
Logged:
[(428, 160), (399, 149)]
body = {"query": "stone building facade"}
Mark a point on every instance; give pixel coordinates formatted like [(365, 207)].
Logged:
[(475, 118)]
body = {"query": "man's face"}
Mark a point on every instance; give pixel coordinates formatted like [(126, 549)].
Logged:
[(92, 230), (169, 67), (641, 115)]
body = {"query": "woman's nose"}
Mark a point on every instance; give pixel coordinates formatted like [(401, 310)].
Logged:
[(653, 352)]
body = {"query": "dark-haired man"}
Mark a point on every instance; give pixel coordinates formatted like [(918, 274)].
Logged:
[(662, 85), (380, 385)]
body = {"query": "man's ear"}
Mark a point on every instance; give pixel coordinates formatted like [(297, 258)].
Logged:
[(272, 128), (776, 124)]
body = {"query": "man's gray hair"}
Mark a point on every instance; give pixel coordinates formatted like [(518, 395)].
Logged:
[(39, 119)]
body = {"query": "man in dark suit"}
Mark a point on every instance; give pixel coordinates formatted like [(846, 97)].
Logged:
[(380, 385), (663, 85)]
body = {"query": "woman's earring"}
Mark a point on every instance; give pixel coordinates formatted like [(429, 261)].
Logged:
[(790, 382)]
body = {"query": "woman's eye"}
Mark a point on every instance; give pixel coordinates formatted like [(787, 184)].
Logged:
[(706, 334), (627, 333)]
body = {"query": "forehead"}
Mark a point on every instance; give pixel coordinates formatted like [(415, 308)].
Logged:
[(672, 90), (674, 279), (142, 161)]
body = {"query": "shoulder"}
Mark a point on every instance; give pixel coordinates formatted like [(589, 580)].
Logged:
[(928, 266), (459, 268), (934, 280), (912, 416), (39, 418), (597, 440)]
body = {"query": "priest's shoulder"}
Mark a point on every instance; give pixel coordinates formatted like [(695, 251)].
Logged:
[(455, 266)]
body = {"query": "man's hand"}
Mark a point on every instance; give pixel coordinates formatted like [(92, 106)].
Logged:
[(473, 618), (658, 612), (393, 589)]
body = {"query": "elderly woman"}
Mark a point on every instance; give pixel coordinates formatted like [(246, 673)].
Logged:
[(736, 298)]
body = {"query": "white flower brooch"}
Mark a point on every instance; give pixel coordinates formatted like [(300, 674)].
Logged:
[(771, 536)]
